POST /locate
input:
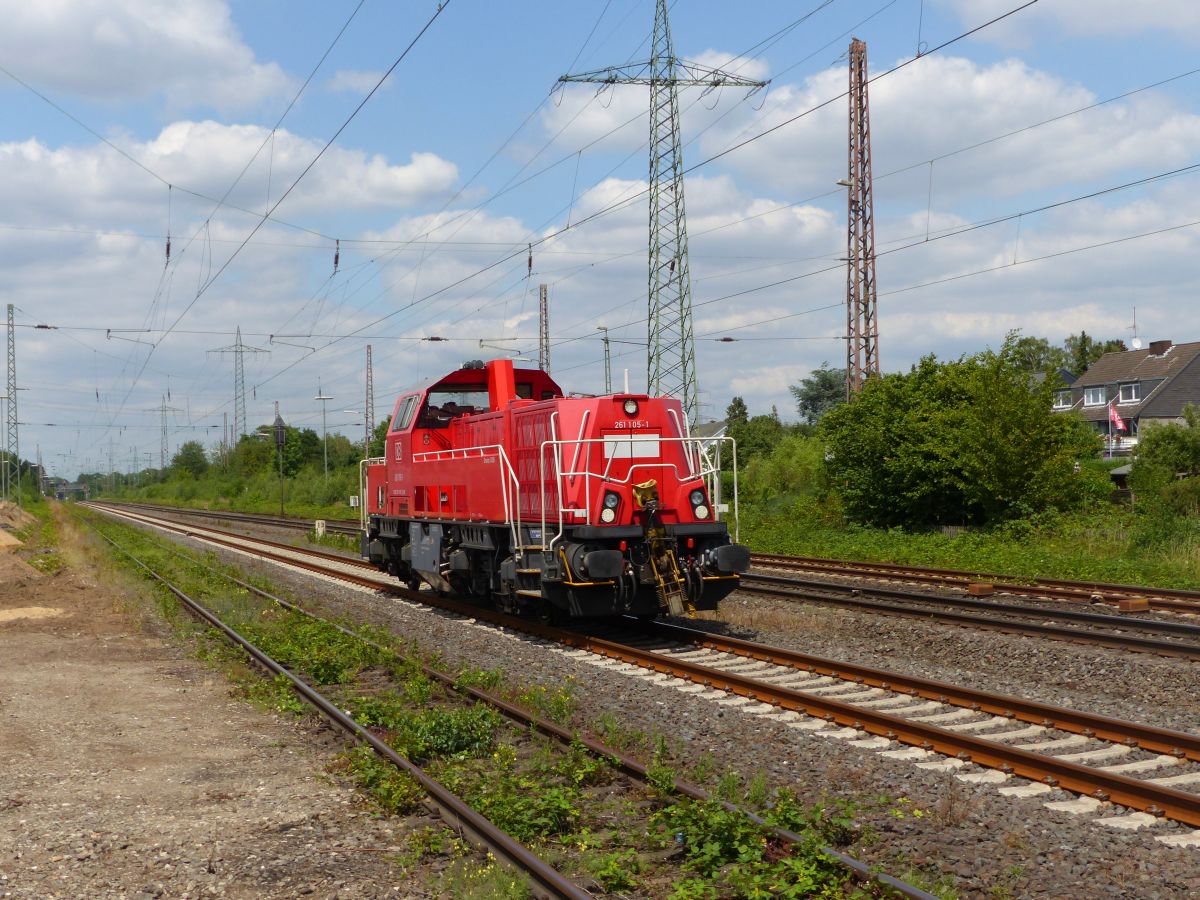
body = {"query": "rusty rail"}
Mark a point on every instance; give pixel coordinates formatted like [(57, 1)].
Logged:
[(1163, 599), (1130, 792), (848, 596)]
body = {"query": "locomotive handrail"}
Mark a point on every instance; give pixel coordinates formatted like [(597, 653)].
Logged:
[(511, 494), (362, 487), (698, 467)]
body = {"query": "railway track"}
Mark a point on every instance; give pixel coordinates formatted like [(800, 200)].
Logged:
[(548, 881), (334, 526), (1162, 599), (1165, 638), (484, 832), (1176, 639), (1026, 748)]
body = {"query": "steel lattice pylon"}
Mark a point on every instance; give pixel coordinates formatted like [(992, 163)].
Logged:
[(671, 362), (369, 410), (862, 323), (12, 444), (238, 349), (544, 327)]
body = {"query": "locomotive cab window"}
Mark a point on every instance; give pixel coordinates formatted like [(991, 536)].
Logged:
[(450, 402), (404, 413)]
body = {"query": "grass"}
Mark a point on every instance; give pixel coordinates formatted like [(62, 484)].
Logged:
[(1110, 544)]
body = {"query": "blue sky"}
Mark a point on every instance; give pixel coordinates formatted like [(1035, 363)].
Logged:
[(192, 91)]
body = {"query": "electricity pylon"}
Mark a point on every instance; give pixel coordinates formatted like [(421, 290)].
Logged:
[(671, 362), (369, 409), (544, 328), (862, 322), (12, 444), (238, 349), (163, 448)]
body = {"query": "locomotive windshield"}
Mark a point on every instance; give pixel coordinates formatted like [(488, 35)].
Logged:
[(450, 401)]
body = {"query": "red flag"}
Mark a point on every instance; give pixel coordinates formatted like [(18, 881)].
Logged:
[(1117, 422)]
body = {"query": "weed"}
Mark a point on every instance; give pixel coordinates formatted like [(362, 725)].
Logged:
[(728, 786), (702, 769), (580, 767), (418, 689), (615, 871), (660, 775), (525, 807), (484, 679), (392, 789), (468, 880), (757, 791), (556, 704), (617, 734), (275, 693), (429, 733)]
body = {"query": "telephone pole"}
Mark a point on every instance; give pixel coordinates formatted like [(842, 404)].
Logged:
[(544, 328), (862, 323), (238, 349), (671, 350), (12, 444), (369, 409)]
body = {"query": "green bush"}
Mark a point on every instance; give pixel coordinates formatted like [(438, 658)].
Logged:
[(967, 442)]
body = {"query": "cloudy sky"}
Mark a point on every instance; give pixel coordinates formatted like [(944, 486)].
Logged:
[(1035, 175)]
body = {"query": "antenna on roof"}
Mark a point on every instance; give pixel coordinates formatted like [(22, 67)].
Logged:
[(1136, 343)]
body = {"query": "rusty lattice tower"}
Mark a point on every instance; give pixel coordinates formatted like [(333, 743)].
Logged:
[(862, 321)]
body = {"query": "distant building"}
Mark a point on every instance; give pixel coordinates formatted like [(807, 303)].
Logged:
[(1136, 387)]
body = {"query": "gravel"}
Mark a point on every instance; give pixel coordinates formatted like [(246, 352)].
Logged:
[(984, 843)]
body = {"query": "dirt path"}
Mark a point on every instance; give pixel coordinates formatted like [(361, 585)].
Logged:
[(128, 770)]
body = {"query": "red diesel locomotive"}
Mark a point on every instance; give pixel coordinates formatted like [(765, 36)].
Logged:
[(496, 486)]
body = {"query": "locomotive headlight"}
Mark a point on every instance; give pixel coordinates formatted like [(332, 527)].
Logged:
[(608, 515), (611, 500), (700, 511), (697, 497), (631, 407)]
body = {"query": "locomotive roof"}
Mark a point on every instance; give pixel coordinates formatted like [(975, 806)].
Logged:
[(536, 378)]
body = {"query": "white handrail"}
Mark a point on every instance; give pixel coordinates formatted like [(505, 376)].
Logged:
[(699, 466), (362, 487), (511, 493)]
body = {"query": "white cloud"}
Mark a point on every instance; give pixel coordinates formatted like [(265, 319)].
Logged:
[(1078, 17), (943, 104), (188, 52), (94, 184), (354, 80)]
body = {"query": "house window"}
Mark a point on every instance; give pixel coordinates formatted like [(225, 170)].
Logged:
[(1131, 393), (1093, 396), (1062, 400)]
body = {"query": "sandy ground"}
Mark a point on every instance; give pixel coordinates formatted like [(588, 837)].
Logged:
[(128, 770)]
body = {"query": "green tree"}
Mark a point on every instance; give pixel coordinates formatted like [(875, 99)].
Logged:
[(1167, 462), (820, 392), (1035, 354), (736, 411), (1082, 349), (378, 437), (971, 441), (757, 436), (190, 460)]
